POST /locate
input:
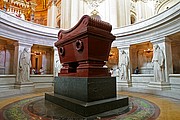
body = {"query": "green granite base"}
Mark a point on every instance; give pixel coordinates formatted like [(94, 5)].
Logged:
[(86, 96), (88, 108), (86, 89)]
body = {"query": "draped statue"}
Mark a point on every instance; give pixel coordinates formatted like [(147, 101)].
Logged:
[(57, 67), (158, 64), (24, 66), (123, 65)]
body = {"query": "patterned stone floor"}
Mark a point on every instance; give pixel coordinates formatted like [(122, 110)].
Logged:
[(169, 107), (142, 107), (37, 108)]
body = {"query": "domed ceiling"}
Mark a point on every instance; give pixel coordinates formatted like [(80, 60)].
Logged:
[(31, 10)]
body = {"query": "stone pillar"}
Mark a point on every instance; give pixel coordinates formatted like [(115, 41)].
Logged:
[(139, 11), (113, 13), (124, 12), (25, 86), (52, 14), (144, 10), (74, 12), (165, 46), (120, 81), (16, 63), (84, 9), (66, 14), (49, 15), (62, 14)]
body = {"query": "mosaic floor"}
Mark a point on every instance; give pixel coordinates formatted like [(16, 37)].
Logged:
[(36, 108)]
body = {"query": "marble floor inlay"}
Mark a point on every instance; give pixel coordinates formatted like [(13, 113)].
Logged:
[(26, 107), (37, 108)]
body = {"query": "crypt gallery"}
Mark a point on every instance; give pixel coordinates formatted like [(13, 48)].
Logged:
[(144, 57)]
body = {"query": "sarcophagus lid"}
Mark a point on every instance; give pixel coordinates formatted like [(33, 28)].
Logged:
[(85, 46)]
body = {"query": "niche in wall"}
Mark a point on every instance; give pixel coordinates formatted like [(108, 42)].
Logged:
[(141, 56), (42, 56), (6, 56), (175, 52)]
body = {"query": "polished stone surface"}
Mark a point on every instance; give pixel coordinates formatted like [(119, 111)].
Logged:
[(37, 108), (77, 48), (88, 108), (87, 95), (86, 89), (169, 108)]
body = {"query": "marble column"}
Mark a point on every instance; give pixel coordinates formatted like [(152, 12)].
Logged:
[(22, 85), (84, 9), (74, 12), (126, 82), (113, 13), (104, 10), (49, 15), (168, 59), (66, 14), (139, 11), (165, 46), (123, 12), (16, 63), (62, 13), (52, 13), (144, 10)]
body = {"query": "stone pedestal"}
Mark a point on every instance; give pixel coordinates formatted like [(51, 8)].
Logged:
[(84, 86), (86, 89), (86, 96), (25, 86), (160, 85)]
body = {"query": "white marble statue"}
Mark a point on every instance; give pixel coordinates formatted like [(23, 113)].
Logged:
[(58, 67), (41, 71), (24, 66), (123, 65), (114, 71), (33, 71), (158, 64)]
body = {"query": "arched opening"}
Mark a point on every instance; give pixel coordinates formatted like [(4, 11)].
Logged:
[(42, 57), (141, 57), (7, 51)]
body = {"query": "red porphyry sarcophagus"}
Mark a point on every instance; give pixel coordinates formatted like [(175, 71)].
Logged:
[(84, 48)]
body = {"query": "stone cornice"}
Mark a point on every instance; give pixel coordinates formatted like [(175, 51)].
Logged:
[(161, 25), (24, 31)]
